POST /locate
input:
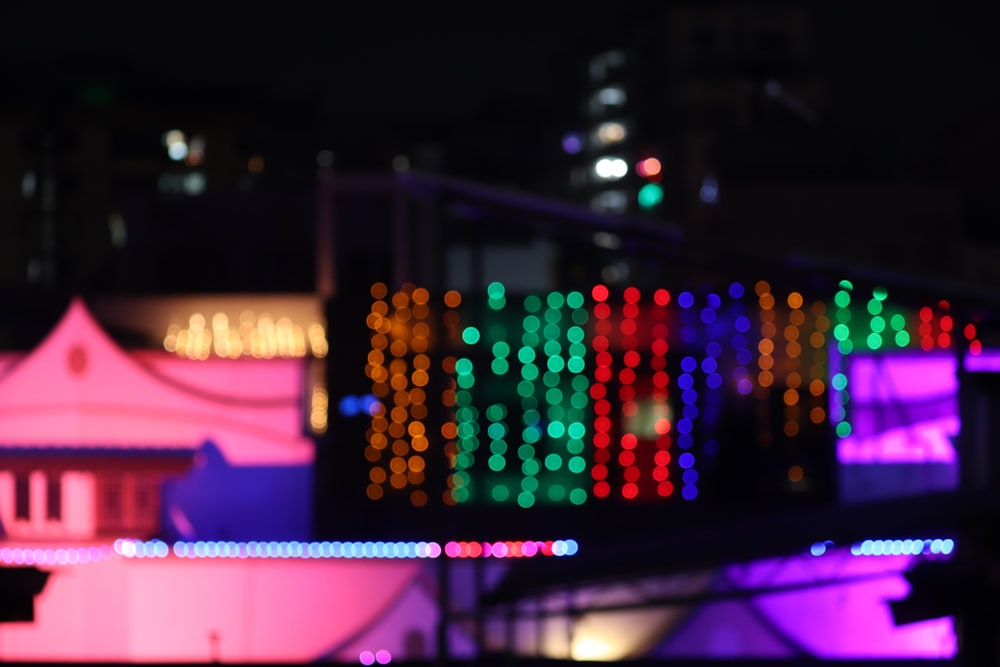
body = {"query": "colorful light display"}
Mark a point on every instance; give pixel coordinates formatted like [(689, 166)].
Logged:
[(621, 395)]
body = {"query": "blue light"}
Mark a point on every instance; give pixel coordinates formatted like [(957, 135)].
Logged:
[(689, 492), (742, 324), (713, 349), (736, 291), (817, 549), (685, 299), (686, 460), (709, 192), (689, 364)]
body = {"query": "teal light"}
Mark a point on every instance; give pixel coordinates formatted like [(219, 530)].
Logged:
[(839, 381), (496, 412), (556, 429), (880, 293), (556, 364), (529, 372), (500, 493), (496, 430), (650, 195), (470, 335), (498, 447), (530, 467), (897, 322), (578, 496), (576, 365), (557, 493), (501, 349), (577, 464), (845, 346), (842, 299), (874, 341), (574, 300), (843, 430), (874, 306), (532, 303), (499, 366), (576, 430), (526, 355), (495, 290), (555, 300), (497, 463), (878, 324), (525, 388), (902, 338), (846, 284), (575, 446), (841, 332), (553, 462), (525, 499)]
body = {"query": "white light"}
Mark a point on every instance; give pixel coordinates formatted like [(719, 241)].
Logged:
[(400, 163), (609, 201), (611, 168), (173, 137), (607, 240), (324, 159), (29, 183), (177, 151), (194, 183), (611, 96), (611, 132), (709, 192)]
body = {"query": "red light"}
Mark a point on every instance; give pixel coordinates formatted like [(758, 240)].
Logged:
[(600, 343), (946, 323), (944, 340), (626, 376), (630, 310), (602, 311), (630, 491), (602, 489), (665, 489), (630, 408), (632, 474), (628, 327), (926, 314), (970, 331), (659, 345), (649, 167), (603, 358), (627, 458), (602, 425), (660, 474), (629, 441), (602, 455), (661, 379), (662, 426), (602, 407), (632, 294), (600, 293), (975, 348), (662, 457), (661, 297), (599, 472), (602, 374), (631, 359), (626, 392), (927, 344), (598, 391)]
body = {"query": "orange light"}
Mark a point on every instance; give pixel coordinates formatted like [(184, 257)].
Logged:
[(795, 474), (649, 167)]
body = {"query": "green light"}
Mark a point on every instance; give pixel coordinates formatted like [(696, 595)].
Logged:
[(580, 383), (577, 464), (578, 400), (529, 484), (526, 355), (846, 284), (495, 413), (500, 493), (497, 463), (499, 366), (531, 417), (532, 303), (553, 462), (575, 335), (842, 298), (496, 431), (550, 379), (463, 398), (874, 341), (554, 396), (460, 495), (531, 434), (556, 413), (498, 447), (579, 316), (577, 350), (874, 306), (839, 381), (552, 348), (902, 338), (525, 452), (466, 380), (496, 303), (557, 493), (529, 339), (556, 364), (465, 414), (555, 300), (529, 371), (464, 460), (576, 430), (461, 479), (575, 365), (556, 429), (501, 349), (578, 496), (575, 446), (552, 316), (841, 332), (574, 300), (843, 430), (530, 467), (531, 323), (525, 499), (495, 290), (525, 388), (843, 315), (880, 293), (552, 331), (878, 324), (470, 335), (897, 322), (845, 346), (650, 195)]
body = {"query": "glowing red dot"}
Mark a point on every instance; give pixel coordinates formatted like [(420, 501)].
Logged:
[(602, 455), (927, 344), (629, 491), (630, 408), (659, 346), (975, 348), (970, 331), (944, 340), (545, 547), (627, 458), (598, 391), (602, 407), (926, 314), (632, 358), (602, 311), (602, 489), (664, 489), (660, 473), (626, 376), (600, 343), (603, 359), (632, 474), (626, 392), (602, 374), (661, 458), (632, 294), (602, 327), (599, 472), (658, 363), (661, 297), (599, 292), (925, 329), (943, 303), (630, 310), (662, 426), (946, 323), (602, 425), (627, 327), (661, 379), (629, 441)]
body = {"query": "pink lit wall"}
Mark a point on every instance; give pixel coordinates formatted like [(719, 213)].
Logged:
[(166, 610)]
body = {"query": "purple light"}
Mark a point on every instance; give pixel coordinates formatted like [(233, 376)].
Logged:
[(986, 361), (572, 143), (383, 657), (366, 658)]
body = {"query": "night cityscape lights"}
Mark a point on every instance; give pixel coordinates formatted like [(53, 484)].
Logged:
[(563, 397)]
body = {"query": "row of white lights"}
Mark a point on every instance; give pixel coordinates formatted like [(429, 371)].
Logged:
[(911, 547)]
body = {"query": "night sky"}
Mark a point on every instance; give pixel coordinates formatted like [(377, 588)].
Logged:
[(914, 63)]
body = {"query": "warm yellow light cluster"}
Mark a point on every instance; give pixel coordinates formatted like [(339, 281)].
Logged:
[(260, 337), (320, 409), (398, 367)]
